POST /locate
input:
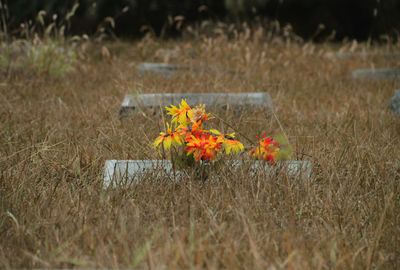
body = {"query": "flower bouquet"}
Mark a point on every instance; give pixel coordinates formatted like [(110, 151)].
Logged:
[(190, 144)]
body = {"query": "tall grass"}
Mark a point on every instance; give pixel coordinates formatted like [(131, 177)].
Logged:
[(43, 50), (56, 134)]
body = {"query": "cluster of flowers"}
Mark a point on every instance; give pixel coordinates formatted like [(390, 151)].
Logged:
[(186, 130), (267, 150)]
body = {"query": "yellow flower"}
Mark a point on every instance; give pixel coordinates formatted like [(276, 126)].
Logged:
[(168, 138), (233, 146), (180, 114), (228, 142)]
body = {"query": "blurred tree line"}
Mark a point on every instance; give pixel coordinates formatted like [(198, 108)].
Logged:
[(311, 19)]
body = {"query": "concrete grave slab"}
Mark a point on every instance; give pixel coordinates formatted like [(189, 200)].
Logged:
[(237, 101), (164, 69), (168, 70), (365, 55), (126, 172), (376, 74), (173, 53), (395, 102)]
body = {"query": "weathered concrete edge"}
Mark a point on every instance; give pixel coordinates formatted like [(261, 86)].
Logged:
[(292, 167), (344, 55), (376, 74), (131, 102), (156, 99), (164, 69), (168, 70), (394, 104)]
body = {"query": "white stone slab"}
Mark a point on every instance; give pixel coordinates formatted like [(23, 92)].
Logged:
[(395, 102), (164, 69), (364, 55), (376, 74), (168, 53), (168, 70), (237, 101), (125, 172)]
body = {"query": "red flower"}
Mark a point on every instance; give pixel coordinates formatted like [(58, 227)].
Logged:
[(268, 150), (203, 147)]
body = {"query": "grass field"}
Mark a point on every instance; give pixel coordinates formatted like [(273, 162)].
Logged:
[(57, 132)]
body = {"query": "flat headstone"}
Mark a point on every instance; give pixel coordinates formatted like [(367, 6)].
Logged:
[(376, 74), (125, 172), (168, 53), (364, 55), (395, 102), (237, 101), (164, 69), (168, 70)]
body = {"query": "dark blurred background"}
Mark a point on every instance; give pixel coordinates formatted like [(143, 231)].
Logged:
[(316, 20)]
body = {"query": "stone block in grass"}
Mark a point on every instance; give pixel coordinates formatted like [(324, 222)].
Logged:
[(235, 101), (168, 53), (163, 69), (365, 55), (395, 102), (126, 172), (376, 74), (168, 70)]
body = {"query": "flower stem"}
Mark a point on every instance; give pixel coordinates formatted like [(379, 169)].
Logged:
[(229, 125), (173, 163)]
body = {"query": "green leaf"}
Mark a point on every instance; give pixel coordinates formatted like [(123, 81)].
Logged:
[(285, 148)]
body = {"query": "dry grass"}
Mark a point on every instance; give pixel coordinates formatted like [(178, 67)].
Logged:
[(55, 135)]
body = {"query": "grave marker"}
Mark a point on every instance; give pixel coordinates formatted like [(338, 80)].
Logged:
[(395, 102), (168, 53), (168, 70), (125, 172), (237, 101), (365, 55), (164, 69), (376, 74)]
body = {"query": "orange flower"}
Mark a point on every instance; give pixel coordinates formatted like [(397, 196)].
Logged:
[(268, 150), (180, 115), (203, 147), (187, 131), (168, 138)]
